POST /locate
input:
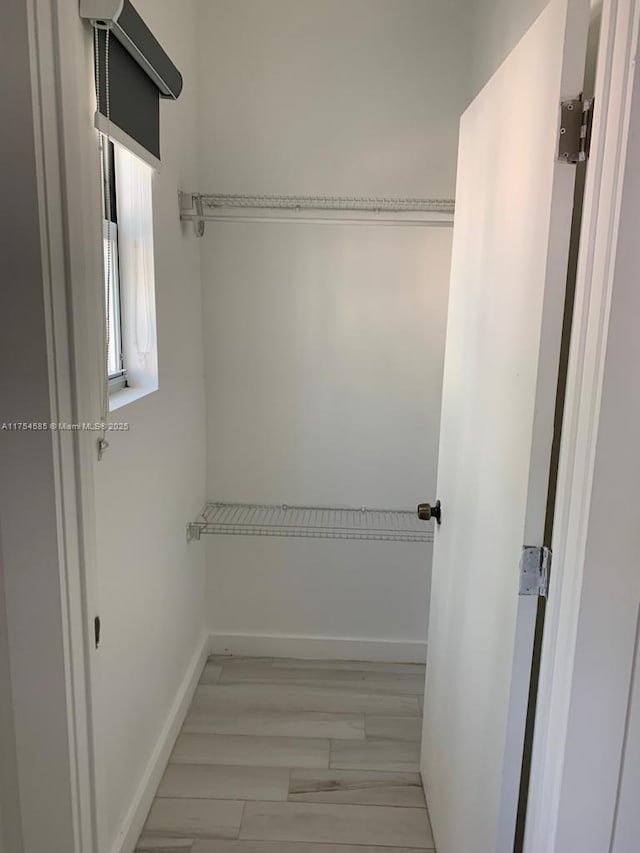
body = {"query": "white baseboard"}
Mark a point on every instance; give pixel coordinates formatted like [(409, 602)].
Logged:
[(134, 821), (318, 648)]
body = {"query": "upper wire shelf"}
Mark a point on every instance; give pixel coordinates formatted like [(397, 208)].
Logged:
[(382, 525), (351, 203), (200, 208)]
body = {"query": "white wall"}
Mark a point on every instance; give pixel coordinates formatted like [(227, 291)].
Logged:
[(324, 353), (351, 97), (317, 598), (151, 481), (324, 343), (498, 27)]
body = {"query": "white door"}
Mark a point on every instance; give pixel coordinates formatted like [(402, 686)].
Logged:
[(510, 250)]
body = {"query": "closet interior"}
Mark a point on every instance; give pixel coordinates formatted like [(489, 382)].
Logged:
[(263, 500)]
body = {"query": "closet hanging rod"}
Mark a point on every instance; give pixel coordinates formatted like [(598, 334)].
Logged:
[(200, 208)]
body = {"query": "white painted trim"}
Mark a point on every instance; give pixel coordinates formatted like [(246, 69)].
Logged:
[(603, 197), (72, 141), (134, 821), (77, 634), (116, 134), (318, 648)]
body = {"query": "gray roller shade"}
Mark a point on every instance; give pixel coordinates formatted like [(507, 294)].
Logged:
[(140, 73)]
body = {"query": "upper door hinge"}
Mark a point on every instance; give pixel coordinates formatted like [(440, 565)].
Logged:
[(535, 565), (576, 121)]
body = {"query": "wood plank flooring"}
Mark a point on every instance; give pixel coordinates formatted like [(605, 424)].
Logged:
[(293, 756)]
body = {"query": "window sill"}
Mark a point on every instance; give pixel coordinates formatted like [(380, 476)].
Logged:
[(125, 396)]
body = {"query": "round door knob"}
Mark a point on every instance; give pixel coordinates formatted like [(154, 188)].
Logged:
[(428, 511)]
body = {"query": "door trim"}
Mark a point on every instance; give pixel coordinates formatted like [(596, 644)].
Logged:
[(603, 200), (57, 78)]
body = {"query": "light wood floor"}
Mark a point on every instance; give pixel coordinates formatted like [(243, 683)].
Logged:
[(290, 756)]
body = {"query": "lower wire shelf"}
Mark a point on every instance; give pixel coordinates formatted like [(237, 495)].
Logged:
[(318, 522)]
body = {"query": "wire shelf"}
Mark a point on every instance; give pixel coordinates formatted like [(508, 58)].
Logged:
[(200, 208), (337, 203), (313, 522)]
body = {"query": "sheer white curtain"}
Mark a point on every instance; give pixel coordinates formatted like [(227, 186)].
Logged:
[(135, 232)]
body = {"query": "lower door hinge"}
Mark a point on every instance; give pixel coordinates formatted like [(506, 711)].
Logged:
[(576, 121), (535, 565)]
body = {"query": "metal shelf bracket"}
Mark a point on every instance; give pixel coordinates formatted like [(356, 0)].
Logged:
[(193, 532)]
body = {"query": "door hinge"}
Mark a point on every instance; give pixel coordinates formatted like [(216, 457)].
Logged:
[(535, 565), (576, 121), (97, 627)]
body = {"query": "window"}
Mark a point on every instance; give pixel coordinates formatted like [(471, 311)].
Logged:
[(117, 374), (130, 322)]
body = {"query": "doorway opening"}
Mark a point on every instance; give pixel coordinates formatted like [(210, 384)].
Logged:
[(313, 372)]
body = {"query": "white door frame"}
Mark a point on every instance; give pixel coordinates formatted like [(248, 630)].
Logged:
[(557, 781), (70, 235), (46, 639)]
